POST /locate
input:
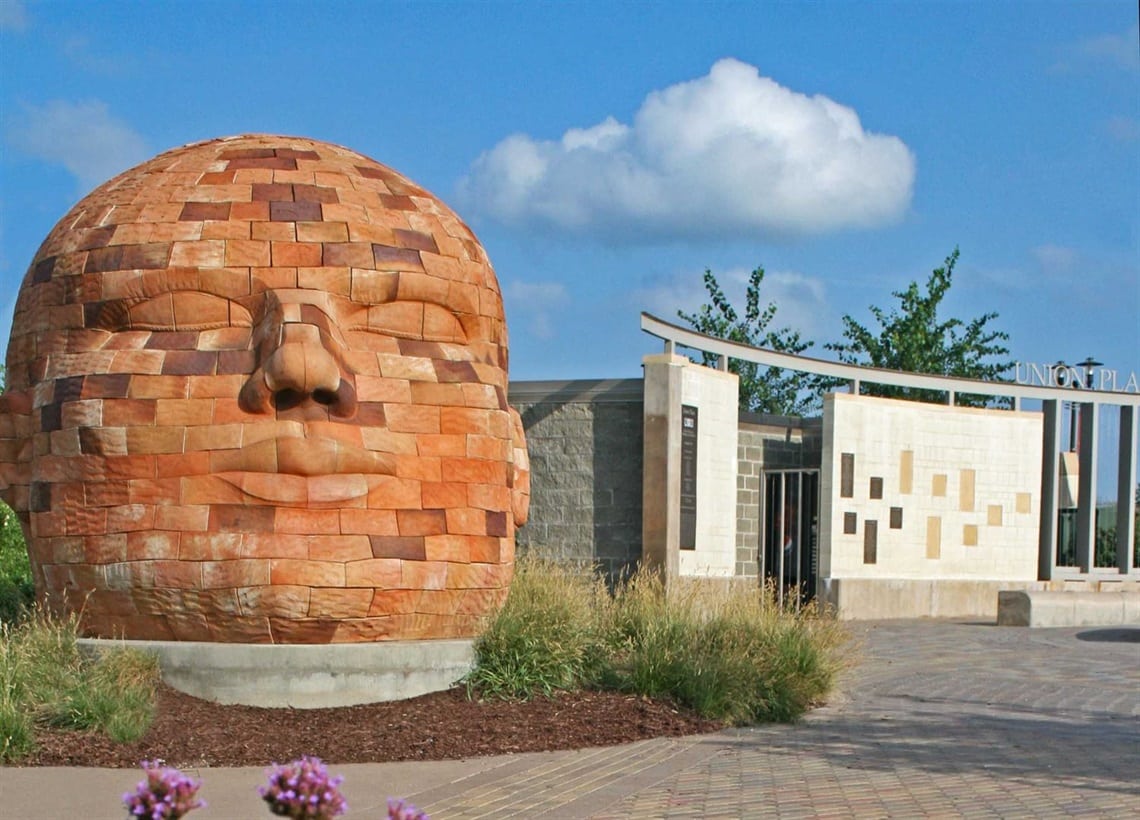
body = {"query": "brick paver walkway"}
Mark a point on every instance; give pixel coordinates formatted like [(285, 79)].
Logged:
[(940, 719)]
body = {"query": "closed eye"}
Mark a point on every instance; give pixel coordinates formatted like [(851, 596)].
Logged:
[(179, 310), (412, 320)]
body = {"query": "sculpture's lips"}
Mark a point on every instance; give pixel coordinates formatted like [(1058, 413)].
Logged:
[(302, 457), (302, 470)]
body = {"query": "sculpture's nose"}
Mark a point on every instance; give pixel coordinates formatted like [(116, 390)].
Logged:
[(300, 372), (301, 368)]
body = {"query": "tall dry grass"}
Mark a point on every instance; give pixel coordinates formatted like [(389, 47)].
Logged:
[(46, 681), (728, 650)]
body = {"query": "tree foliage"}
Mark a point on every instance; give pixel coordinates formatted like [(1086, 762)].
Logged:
[(913, 338), (762, 389)]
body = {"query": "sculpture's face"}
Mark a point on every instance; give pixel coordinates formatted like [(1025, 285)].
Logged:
[(258, 392)]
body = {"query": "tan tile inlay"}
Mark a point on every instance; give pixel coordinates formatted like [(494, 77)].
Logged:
[(1024, 502), (970, 535), (994, 515), (938, 485), (906, 472), (934, 537), (966, 491)]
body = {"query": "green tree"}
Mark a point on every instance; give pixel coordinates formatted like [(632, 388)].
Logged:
[(913, 338), (762, 390)]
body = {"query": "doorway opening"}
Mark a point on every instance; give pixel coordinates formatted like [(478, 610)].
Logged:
[(789, 516)]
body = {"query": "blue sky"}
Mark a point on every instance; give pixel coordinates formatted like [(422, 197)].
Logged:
[(607, 153)]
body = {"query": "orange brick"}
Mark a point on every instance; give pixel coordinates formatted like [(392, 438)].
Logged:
[(440, 602), (181, 464), (339, 547), (105, 549), (274, 545), (421, 522), (184, 518), (178, 574), (152, 544), (488, 447), (128, 517), (464, 420), (339, 603), (475, 471), (237, 573), (487, 549), (159, 491), (479, 602), (280, 601), (308, 522), (242, 630), (226, 230), (494, 497), (466, 521), (423, 575), (395, 493), (477, 576), (296, 254), (183, 412), (447, 548), (306, 573), (420, 468), (196, 546), (374, 573), (369, 522), (442, 495), (247, 252), (412, 418), (394, 601)]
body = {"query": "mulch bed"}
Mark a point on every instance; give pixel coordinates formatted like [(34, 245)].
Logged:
[(188, 732)]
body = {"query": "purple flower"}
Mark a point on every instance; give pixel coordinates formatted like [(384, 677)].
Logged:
[(403, 810), (303, 789), (165, 794)]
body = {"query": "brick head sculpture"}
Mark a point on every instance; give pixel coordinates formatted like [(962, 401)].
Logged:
[(258, 393)]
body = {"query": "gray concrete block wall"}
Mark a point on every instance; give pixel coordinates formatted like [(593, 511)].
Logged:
[(585, 445), (585, 441)]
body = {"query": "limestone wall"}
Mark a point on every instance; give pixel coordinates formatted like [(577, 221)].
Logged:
[(918, 491)]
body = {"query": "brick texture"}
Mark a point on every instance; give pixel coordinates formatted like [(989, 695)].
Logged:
[(236, 375)]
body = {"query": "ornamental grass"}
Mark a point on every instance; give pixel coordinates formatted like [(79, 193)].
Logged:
[(725, 648)]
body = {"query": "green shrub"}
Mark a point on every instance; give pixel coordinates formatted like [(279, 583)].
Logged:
[(16, 589), (724, 648), (544, 639), (46, 681)]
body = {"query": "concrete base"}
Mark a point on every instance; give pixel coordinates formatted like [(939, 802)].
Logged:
[(857, 599), (305, 676), (1044, 608)]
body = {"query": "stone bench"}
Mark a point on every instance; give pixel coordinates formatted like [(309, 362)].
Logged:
[(1068, 608)]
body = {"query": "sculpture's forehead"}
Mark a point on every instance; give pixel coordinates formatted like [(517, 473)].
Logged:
[(242, 216), (268, 212)]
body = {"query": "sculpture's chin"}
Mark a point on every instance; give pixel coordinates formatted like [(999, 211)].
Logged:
[(280, 488)]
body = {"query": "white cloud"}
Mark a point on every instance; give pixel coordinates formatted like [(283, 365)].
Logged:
[(801, 301), (532, 303), (1121, 50), (730, 154), (84, 137), (13, 15)]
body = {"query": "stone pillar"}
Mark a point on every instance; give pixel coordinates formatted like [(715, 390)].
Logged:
[(1126, 489), (1050, 473), (1086, 491), (661, 483)]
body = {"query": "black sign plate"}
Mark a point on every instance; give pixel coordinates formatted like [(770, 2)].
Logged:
[(688, 477)]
